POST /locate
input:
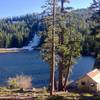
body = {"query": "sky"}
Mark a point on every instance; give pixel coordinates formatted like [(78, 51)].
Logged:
[(9, 8)]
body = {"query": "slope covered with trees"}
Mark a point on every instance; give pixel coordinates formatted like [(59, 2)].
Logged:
[(95, 31), (17, 31)]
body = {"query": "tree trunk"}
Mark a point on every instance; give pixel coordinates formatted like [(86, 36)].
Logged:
[(52, 70), (62, 5), (61, 42), (61, 76), (67, 74)]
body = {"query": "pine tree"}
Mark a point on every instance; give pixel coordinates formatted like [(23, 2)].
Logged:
[(67, 40), (96, 30)]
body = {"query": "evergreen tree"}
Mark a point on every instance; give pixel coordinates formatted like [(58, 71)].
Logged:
[(67, 40), (96, 29), (17, 31)]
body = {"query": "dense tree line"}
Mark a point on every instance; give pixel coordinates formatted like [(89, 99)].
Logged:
[(17, 31), (95, 31)]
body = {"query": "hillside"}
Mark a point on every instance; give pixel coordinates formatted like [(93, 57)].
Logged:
[(17, 31)]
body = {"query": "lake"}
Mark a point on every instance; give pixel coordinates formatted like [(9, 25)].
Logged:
[(31, 64)]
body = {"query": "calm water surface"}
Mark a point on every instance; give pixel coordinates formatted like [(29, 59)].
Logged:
[(31, 64), (27, 63), (82, 66)]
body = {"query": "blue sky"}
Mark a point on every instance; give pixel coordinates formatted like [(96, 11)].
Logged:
[(20, 7)]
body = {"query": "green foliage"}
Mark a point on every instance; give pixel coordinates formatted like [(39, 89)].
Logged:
[(17, 31), (96, 18), (95, 31), (67, 41)]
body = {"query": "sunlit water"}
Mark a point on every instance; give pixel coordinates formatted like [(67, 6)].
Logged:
[(31, 64), (82, 66)]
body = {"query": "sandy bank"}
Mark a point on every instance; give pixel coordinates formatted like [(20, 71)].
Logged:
[(6, 50)]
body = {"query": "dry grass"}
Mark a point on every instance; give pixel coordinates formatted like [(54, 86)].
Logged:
[(43, 94), (21, 81)]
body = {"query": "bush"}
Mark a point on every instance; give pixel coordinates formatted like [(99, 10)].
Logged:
[(22, 82)]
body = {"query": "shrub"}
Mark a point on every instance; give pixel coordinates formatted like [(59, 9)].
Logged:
[(12, 82), (22, 82)]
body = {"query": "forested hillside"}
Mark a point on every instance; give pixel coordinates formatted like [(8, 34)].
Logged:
[(82, 17), (17, 31)]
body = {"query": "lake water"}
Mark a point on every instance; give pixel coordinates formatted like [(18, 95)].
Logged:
[(82, 66), (31, 64)]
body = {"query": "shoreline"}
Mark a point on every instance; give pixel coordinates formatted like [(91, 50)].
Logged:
[(8, 50), (11, 50)]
